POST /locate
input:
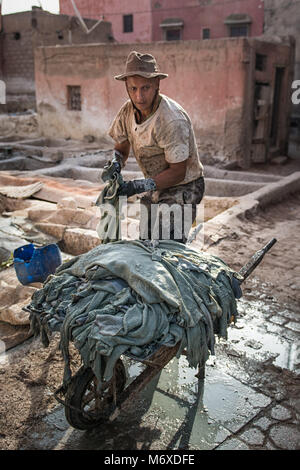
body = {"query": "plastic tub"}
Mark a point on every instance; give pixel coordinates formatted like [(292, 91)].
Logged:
[(34, 264)]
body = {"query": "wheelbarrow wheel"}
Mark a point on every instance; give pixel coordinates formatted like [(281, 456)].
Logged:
[(85, 407)]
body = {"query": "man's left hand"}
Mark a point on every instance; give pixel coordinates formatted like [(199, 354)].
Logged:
[(129, 188)]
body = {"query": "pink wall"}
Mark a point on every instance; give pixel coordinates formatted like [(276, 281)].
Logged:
[(211, 89), (113, 11), (213, 80), (148, 14), (196, 16)]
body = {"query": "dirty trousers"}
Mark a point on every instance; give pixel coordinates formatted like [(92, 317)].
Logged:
[(169, 214)]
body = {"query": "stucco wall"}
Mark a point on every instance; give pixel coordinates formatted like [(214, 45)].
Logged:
[(148, 14), (200, 14), (113, 11), (206, 77)]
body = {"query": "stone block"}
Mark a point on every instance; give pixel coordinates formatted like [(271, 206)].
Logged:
[(69, 202), (13, 297), (82, 217), (281, 413), (93, 222), (285, 436), (40, 214), (62, 216), (55, 230), (77, 240)]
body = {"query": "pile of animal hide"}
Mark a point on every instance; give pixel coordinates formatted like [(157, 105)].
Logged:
[(133, 296)]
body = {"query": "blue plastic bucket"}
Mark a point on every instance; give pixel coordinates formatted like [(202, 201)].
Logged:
[(34, 264)]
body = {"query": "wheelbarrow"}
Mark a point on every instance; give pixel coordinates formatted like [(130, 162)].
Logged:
[(86, 407)]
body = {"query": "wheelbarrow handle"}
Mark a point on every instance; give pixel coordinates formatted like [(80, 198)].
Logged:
[(255, 260)]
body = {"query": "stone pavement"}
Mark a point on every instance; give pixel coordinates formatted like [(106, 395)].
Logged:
[(273, 368)]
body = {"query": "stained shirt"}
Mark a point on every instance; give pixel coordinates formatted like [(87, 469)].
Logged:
[(167, 136)]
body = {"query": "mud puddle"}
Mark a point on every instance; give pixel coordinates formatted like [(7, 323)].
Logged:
[(267, 330), (253, 337)]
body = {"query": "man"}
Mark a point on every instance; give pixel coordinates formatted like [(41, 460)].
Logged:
[(161, 136)]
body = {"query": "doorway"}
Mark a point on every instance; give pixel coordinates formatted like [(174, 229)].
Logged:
[(277, 104), (261, 109)]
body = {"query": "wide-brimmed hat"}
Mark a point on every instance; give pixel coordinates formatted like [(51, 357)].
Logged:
[(143, 65)]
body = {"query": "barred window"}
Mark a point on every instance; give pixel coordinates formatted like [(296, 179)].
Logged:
[(74, 97), (239, 30)]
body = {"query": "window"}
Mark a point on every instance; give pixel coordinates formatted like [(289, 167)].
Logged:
[(238, 30), (127, 23), (260, 62), (173, 34), (205, 33), (17, 36), (172, 29), (238, 24), (74, 98)]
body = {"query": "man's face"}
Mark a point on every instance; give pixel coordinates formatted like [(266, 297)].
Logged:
[(142, 92)]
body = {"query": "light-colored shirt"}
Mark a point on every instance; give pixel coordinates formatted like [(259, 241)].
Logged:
[(167, 136)]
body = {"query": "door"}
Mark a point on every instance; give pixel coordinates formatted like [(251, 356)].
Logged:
[(274, 134), (259, 147)]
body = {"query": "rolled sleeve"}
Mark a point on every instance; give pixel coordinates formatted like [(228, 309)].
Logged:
[(174, 139)]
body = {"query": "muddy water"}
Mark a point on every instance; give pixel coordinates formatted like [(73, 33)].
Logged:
[(267, 330), (262, 339)]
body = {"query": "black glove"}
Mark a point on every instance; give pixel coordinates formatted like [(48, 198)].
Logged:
[(129, 188), (117, 160)]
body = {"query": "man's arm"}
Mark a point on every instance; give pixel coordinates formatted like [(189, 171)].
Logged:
[(171, 176), (124, 149), (167, 178)]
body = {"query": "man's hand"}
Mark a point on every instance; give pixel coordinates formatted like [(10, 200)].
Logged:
[(130, 188), (118, 160)]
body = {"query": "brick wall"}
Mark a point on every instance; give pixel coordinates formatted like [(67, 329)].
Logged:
[(18, 62), (22, 33)]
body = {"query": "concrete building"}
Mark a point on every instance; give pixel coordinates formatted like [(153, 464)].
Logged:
[(160, 20), (21, 33), (237, 92)]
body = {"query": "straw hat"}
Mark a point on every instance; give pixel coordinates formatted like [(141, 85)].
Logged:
[(143, 65)]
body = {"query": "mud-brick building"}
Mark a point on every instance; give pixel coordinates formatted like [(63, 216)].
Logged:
[(21, 33), (237, 91), (282, 17)]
